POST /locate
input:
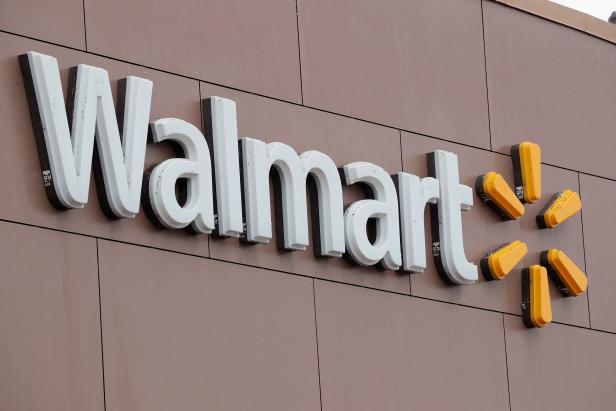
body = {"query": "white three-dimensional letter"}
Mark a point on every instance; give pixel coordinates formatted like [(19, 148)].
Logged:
[(448, 248), (68, 152), (293, 170), (220, 121), (384, 208), (196, 168), (414, 194)]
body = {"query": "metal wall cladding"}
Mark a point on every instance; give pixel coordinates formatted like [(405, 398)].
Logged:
[(551, 84), (97, 313), (192, 333), (49, 314), (385, 351), (60, 22), (550, 369), (599, 238), (415, 65), (240, 43)]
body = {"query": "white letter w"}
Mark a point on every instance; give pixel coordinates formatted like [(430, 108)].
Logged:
[(66, 150)]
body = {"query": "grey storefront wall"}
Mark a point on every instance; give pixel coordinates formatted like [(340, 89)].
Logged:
[(121, 315)]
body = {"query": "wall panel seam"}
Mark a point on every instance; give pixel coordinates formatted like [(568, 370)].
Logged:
[(316, 335), (100, 318), (299, 53), (85, 28), (506, 360), (485, 65), (584, 250)]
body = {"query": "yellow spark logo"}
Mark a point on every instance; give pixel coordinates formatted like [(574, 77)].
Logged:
[(509, 205)]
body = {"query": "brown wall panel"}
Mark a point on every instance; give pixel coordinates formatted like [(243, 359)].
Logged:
[(599, 196), (417, 65), (484, 231), (344, 140), (49, 321), (244, 44), (553, 85), (172, 96), (187, 333), (560, 368), (57, 21), (381, 351)]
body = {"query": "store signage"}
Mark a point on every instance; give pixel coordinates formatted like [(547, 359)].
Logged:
[(227, 185)]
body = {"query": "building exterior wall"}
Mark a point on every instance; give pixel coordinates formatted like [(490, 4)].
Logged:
[(98, 314)]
